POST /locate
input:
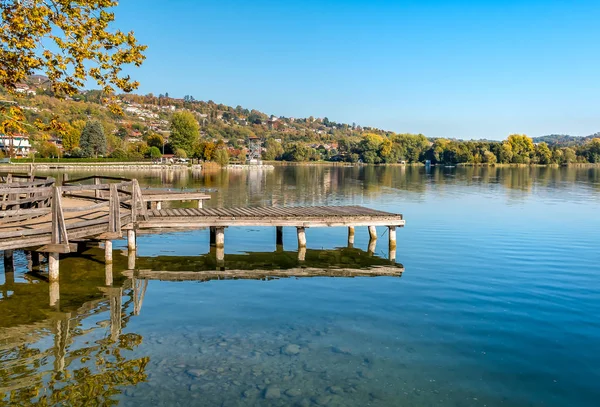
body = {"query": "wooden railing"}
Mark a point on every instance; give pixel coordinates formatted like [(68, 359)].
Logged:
[(24, 201), (22, 191)]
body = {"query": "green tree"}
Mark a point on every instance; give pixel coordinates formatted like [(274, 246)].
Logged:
[(221, 157), (543, 153), (185, 131), (48, 150), (137, 150), (155, 152), (274, 150), (155, 140), (522, 148), (180, 153), (93, 140), (569, 155), (296, 152), (489, 158)]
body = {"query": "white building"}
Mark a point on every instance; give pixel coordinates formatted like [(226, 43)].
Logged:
[(18, 144)]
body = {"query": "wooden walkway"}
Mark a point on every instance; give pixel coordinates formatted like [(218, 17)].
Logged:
[(37, 215), (312, 216)]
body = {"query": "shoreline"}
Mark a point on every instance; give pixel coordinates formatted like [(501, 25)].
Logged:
[(267, 165)]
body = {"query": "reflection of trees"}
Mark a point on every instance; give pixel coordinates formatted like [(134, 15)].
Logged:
[(92, 374), (327, 184)]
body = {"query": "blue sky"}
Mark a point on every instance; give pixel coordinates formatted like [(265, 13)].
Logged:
[(464, 69)]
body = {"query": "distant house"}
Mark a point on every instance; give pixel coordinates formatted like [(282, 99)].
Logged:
[(19, 145), (21, 88)]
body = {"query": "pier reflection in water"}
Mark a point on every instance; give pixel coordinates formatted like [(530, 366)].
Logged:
[(70, 343)]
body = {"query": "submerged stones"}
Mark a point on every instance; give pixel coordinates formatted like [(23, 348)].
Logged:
[(335, 390), (272, 393), (341, 351), (196, 372), (293, 392), (291, 350)]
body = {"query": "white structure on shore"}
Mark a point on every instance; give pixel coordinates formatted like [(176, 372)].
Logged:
[(19, 145)]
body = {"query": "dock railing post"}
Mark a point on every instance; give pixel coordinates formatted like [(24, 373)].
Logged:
[(59, 233)]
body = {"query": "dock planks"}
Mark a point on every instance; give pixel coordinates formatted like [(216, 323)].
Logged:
[(302, 216)]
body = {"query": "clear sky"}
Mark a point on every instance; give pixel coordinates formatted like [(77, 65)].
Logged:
[(464, 69)]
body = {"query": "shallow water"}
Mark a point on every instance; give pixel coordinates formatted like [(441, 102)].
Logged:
[(497, 304)]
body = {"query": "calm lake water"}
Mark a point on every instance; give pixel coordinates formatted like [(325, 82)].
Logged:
[(498, 304)]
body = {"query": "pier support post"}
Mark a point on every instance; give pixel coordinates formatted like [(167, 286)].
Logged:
[(372, 245), (53, 263), (158, 205), (9, 265), (54, 292), (108, 274), (29, 257), (279, 235), (199, 203), (212, 235), (108, 251), (131, 259), (301, 254), (131, 243), (350, 236), (301, 236), (220, 254), (372, 232), (220, 236), (392, 235)]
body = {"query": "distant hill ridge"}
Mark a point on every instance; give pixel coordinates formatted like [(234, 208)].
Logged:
[(565, 139)]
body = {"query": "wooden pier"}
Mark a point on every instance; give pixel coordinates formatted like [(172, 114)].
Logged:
[(39, 216)]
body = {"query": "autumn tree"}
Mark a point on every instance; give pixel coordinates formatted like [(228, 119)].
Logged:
[(70, 139), (70, 42), (185, 131), (93, 140), (155, 140), (522, 148), (221, 157)]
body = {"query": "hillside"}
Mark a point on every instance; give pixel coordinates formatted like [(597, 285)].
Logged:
[(224, 132), (564, 139)]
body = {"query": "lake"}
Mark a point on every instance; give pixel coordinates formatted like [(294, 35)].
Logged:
[(496, 302)]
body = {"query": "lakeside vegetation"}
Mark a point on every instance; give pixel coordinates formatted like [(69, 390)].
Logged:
[(212, 132)]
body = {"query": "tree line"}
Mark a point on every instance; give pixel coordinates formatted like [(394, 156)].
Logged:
[(373, 148)]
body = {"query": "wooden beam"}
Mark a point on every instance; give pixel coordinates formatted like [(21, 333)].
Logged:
[(57, 248)]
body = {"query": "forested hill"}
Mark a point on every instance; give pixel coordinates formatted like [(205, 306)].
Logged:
[(206, 130), (564, 139)]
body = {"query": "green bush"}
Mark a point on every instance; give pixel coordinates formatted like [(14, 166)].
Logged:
[(119, 154), (155, 152)]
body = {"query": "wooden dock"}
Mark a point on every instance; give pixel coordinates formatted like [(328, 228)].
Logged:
[(39, 216)]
